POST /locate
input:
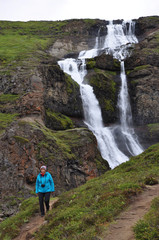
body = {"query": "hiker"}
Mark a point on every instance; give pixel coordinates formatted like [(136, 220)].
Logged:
[(44, 187)]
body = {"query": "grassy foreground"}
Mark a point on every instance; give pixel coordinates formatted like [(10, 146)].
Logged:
[(148, 228), (10, 228), (85, 212)]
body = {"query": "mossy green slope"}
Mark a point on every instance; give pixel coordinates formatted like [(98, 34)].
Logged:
[(148, 228), (19, 40), (84, 213), (6, 119)]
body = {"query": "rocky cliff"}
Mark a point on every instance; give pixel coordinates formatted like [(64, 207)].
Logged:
[(40, 106), (41, 110)]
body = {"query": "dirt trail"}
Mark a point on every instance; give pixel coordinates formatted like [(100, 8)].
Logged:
[(122, 229), (35, 222)]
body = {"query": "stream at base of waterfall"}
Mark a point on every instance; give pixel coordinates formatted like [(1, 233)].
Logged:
[(117, 41)]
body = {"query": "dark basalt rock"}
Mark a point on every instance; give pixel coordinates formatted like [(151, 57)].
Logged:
[(146, 25), (61, 93), (103, 77), (142, 72), (107, 62)]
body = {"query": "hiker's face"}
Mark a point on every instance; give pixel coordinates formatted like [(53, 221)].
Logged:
[(43, 170)]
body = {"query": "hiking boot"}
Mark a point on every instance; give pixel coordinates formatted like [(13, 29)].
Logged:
[(42, 214)]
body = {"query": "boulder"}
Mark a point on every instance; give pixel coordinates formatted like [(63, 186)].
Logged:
[(104, 62)]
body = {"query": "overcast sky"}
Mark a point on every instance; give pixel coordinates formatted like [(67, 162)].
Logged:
[(25, 10)]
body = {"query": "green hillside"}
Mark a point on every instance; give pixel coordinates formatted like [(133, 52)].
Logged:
[(85, 212)]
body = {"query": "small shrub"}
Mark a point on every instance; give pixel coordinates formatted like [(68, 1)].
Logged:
[(151, 181)]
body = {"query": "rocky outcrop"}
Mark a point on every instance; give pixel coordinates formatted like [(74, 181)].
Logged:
[(103, 77), (145, 26), (142, 71), (148, 134), (61, 93), (79, 35), (71, 156)]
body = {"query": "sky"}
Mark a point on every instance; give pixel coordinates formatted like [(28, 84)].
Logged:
[(25, 10)]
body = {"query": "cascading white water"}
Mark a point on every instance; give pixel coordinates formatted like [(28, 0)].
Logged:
[(92, 112), (126, 128), (118, 39), (114, 43)]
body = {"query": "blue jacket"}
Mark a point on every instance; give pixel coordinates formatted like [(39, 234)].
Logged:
[(47, 180)]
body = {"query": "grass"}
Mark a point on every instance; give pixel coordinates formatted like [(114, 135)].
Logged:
[(148, 227), (17, 47), (19, 40), (10, 227), (23, 41), (85, 212)]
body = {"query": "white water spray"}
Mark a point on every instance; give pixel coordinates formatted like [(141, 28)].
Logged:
[(115, 43)]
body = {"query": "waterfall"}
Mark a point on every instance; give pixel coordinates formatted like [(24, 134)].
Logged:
[(115, 43)]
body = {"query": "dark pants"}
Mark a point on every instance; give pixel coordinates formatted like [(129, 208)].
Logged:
[(41, 201)]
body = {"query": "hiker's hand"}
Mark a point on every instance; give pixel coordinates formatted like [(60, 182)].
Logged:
[(36, 194)]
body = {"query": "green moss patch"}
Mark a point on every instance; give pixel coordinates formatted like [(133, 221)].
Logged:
[(108, 105), (141, 67), (58, 121), (90, 63), (5, 98), (71, 85), (147, 229), (21, 140), (154, 127), (89, 21), (6, 119), (105, 90), (84, 213)]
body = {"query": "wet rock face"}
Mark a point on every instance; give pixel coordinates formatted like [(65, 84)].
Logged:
[(103, 76)]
